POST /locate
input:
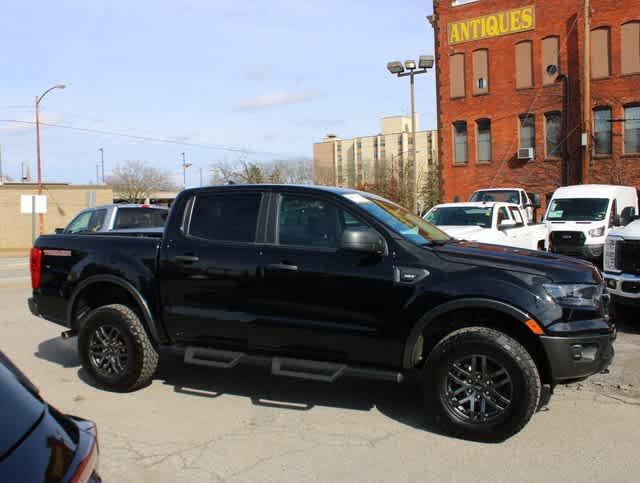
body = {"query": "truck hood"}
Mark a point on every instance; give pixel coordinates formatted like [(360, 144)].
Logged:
[(629, 232), (463, 232), (557, 268)]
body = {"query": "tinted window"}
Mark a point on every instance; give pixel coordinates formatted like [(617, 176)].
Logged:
[(228, 217), (139, 218), (312, 222), (461, 216)]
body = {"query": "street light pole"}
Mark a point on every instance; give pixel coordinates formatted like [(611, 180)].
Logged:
[(397, 68), (185, 165), (38, 100)]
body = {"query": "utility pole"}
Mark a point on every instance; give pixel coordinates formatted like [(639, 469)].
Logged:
[(102, 163), (185, 166), (201, 177), (586, 132)]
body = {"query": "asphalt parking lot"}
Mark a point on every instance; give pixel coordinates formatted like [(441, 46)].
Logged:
[(198, 424)]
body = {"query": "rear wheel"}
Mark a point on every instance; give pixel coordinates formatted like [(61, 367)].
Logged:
[(481, 384), (115, 349)]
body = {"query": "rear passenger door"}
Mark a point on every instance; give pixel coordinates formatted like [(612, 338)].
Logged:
[(209, 270), (320, 301)]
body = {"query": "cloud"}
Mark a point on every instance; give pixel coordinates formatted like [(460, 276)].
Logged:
[(281, 98)]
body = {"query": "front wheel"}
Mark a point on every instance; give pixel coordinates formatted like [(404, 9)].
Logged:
[(481, 384), (115, 350)]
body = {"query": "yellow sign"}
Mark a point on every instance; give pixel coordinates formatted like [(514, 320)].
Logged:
[(494, 25)]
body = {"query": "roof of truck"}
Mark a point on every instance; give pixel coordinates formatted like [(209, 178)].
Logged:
[(591, 191)]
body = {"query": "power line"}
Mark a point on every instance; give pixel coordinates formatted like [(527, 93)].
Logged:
[(218, 147)]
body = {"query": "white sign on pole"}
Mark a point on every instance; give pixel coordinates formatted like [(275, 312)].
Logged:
[(26, 204)]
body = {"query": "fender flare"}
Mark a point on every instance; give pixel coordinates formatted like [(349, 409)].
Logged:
[(448, 307), (150, 322)]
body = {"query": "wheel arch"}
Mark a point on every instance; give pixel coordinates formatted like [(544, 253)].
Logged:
[(443, 320), (91, 292)]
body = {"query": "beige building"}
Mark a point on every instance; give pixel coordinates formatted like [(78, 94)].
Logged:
[(370, 160), (64, 201)]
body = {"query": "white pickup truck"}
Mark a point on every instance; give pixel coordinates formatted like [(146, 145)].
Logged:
[(495, 223), (622, 264)]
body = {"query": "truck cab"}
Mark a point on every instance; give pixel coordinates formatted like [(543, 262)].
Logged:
[(622, 264), (529, 202), (579, 218)]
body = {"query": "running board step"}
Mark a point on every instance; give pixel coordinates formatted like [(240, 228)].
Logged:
[(212, 357), (286, 366)]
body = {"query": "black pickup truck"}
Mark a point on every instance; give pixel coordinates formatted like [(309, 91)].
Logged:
[(327, 283)]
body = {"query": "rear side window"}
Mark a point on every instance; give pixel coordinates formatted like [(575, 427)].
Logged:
[(228, 217), (127, 218), (515, 212)]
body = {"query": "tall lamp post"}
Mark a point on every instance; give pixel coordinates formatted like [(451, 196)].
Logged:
[(102, 164), (38, 100), (425, 63), (185, 166)]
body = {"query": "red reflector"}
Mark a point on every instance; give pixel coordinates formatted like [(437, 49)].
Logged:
[(35, 265), (145, 206)]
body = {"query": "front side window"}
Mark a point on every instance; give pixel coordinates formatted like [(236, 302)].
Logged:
[(602, 131), (306, 221), (461, 149), (230, 217), (632, 130), (578, 209)]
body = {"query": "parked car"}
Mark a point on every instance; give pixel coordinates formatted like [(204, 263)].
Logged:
[(497, 223), (116, 217), (328, 283), (622, 264), (37, 442), (528, 202), (580, 217)]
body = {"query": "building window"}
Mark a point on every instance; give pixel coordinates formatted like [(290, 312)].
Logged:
[(632, 130), (460, 137), (524, 65), (600, 53), (630, 51), (527, 131), (481, 71), (457, 75), (550, 56), (553, 134), (602, 131), (484, 140)]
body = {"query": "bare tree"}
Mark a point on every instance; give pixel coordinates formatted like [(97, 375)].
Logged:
[(136, 180), (291, 171)]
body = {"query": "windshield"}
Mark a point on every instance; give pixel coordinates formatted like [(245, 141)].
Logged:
[(578, 209), (400, 220), (461, 216), (503, 196)]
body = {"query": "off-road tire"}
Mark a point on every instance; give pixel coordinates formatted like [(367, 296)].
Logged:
[(525, 383), (142, 357)]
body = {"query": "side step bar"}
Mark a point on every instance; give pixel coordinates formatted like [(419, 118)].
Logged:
[(288, 367)]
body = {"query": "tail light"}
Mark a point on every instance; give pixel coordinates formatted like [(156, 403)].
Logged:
[(88, 467), (35, 265)]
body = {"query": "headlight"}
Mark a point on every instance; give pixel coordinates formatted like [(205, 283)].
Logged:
[(575, 296), (596, 232)]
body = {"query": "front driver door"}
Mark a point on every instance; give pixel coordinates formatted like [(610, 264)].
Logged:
[(324, 302)]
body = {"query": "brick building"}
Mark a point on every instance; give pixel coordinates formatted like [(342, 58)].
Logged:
[(504, 116)]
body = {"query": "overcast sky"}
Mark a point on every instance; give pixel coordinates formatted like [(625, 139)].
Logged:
[(268, 76)]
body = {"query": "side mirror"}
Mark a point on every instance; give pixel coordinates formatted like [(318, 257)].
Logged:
[(628, 215), (363, 240), (59, 231), (504, 224)]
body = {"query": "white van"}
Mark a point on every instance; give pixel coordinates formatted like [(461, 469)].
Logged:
[(579, 218)]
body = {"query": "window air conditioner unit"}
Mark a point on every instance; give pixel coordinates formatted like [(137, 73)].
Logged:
[(525, 154)]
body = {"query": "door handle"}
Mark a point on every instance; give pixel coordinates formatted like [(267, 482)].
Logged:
[(187, 258), (283, 267)]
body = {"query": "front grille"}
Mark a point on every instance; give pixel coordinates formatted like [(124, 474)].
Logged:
[(567, 238), (628, 256), (631, 287)]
